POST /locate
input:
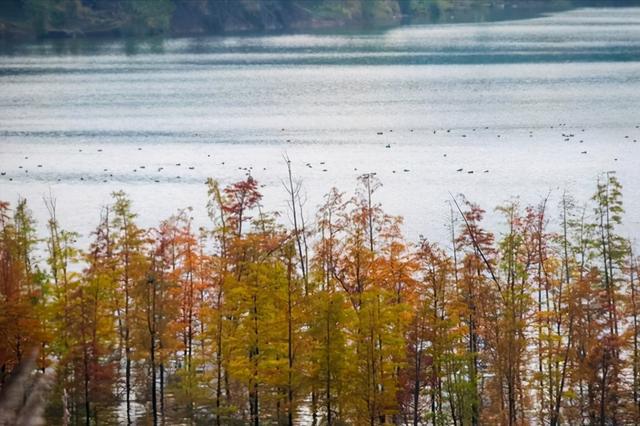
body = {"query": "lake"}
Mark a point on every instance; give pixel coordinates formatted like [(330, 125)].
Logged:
[(530, 106)]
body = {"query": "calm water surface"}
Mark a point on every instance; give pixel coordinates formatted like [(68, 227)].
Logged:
[(81, 120)]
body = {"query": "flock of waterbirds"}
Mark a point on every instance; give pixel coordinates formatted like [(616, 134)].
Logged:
[(565, 133)]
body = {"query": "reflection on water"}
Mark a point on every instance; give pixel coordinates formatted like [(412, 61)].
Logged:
[(92, 113)]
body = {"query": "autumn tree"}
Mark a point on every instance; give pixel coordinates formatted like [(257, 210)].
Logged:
[(21, 289)]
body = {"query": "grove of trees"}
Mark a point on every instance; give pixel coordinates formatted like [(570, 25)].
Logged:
[(334, 319)]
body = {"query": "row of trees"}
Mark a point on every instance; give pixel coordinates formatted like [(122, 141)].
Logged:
[(330, 320)]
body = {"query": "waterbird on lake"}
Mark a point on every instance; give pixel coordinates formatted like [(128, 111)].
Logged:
[(459, 170), (388, 145), (470, 172), (583, 152), (379, 133)]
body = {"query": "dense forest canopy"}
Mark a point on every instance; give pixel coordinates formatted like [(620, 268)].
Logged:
[(77, 18), (334, 319)]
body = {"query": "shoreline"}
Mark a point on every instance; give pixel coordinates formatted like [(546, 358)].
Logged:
[(18, 31)]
